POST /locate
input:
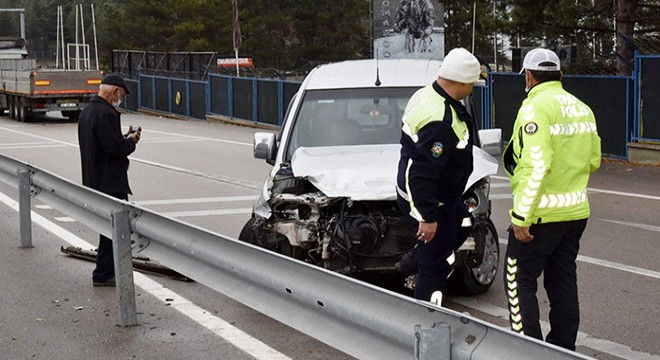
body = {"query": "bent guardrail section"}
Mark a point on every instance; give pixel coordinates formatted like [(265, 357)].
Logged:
[(357, 318)]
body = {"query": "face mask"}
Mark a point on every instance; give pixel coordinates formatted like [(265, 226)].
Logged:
[(117, 102), (526, 84)]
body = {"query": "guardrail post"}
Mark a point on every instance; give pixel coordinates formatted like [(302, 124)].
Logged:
[(123, 256), (25, 207), (433, 343)]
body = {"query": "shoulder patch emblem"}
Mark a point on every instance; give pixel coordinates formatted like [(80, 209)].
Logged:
[(531, 128), (437, 149)]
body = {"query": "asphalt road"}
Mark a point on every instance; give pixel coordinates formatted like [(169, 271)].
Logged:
[(204, 174)]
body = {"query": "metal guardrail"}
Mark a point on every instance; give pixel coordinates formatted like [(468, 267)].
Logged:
[(357, 318)]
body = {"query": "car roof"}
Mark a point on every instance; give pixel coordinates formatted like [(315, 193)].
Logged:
[(362, 74)]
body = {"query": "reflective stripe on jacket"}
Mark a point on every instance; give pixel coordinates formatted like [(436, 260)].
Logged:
[(553, 149), (436, 151)]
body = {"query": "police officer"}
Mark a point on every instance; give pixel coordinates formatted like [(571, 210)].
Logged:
[(435, 163), (553, 150)]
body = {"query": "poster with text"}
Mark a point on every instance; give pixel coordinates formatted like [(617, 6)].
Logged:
[(408, 29)]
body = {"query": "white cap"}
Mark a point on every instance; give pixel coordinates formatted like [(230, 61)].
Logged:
[(461, 66), (536, 57)]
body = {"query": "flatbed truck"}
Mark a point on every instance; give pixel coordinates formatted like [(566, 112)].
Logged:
[(26, 88)]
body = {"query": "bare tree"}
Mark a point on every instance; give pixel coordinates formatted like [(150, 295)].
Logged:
[(625, 27)]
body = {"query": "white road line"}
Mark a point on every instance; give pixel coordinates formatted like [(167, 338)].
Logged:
[(221, 328), (641, 226), (643, 196), (39, 137), (198, 137), (500, 196), (151, 141), (30, 146), (28, 143), (197, 200), (160, 165), (610, 264), (180, 214), (583, 339), (199, 174)]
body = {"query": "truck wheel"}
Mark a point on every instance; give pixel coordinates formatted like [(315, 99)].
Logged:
[(477, 279), (24, 114), (12, 107)]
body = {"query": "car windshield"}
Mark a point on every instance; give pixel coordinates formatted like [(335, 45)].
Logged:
[(349, 117)]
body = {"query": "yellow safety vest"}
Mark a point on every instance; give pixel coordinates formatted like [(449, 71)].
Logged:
[(554, 148)]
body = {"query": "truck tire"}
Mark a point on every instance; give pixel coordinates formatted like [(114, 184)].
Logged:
[(20, 110), (23, 114), (12, 109), (474, 280)]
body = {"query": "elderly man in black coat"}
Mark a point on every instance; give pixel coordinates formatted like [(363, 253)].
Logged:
[(104, 154)]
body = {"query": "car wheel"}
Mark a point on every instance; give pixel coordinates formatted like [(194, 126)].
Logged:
[(254, 233), (472, 279)]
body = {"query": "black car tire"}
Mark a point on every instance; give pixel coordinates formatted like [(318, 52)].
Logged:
[(474, 280), (253, 233)]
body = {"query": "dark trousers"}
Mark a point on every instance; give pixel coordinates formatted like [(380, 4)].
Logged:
[(433, 257), (553, 252), (105, 263)]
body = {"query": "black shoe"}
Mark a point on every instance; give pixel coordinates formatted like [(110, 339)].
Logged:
[(109, 282), (406, 266)]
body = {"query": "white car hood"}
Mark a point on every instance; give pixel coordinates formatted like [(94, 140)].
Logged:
[(364, 172)]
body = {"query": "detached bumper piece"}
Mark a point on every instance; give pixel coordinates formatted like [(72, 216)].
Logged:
[(140, 263)]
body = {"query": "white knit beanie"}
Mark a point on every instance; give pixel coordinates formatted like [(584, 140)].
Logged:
[(460, 66)]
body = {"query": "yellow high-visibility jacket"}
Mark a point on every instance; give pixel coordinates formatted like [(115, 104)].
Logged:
[(553, 150)]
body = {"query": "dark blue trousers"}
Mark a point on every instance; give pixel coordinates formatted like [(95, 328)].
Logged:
[(432, 258), (105, 263), (553, 252)]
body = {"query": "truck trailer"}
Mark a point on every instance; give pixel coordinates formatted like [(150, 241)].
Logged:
[(26, 88)]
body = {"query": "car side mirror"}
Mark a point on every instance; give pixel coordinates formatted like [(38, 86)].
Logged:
[(264, 146), (491, 141)]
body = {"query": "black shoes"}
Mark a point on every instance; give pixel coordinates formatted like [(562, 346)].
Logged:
[(109, 282), (406, 266)]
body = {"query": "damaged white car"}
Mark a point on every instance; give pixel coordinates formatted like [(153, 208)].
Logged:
[(330, 198)]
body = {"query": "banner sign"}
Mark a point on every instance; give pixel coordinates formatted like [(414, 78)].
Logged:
[(232, 62), (408, 29)]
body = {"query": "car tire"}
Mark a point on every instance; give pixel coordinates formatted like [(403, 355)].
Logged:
[(254, 233), (473, 280)]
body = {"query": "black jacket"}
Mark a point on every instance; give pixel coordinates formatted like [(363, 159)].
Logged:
[(103, 148), (439, 178)]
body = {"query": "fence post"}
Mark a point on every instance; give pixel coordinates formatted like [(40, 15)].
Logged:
[(25, 207), (123, 256), (433, 343)]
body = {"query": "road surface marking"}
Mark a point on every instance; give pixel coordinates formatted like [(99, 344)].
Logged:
[(605, 346), (179, 214), (197, 200), (610, 264), (225, 330)]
